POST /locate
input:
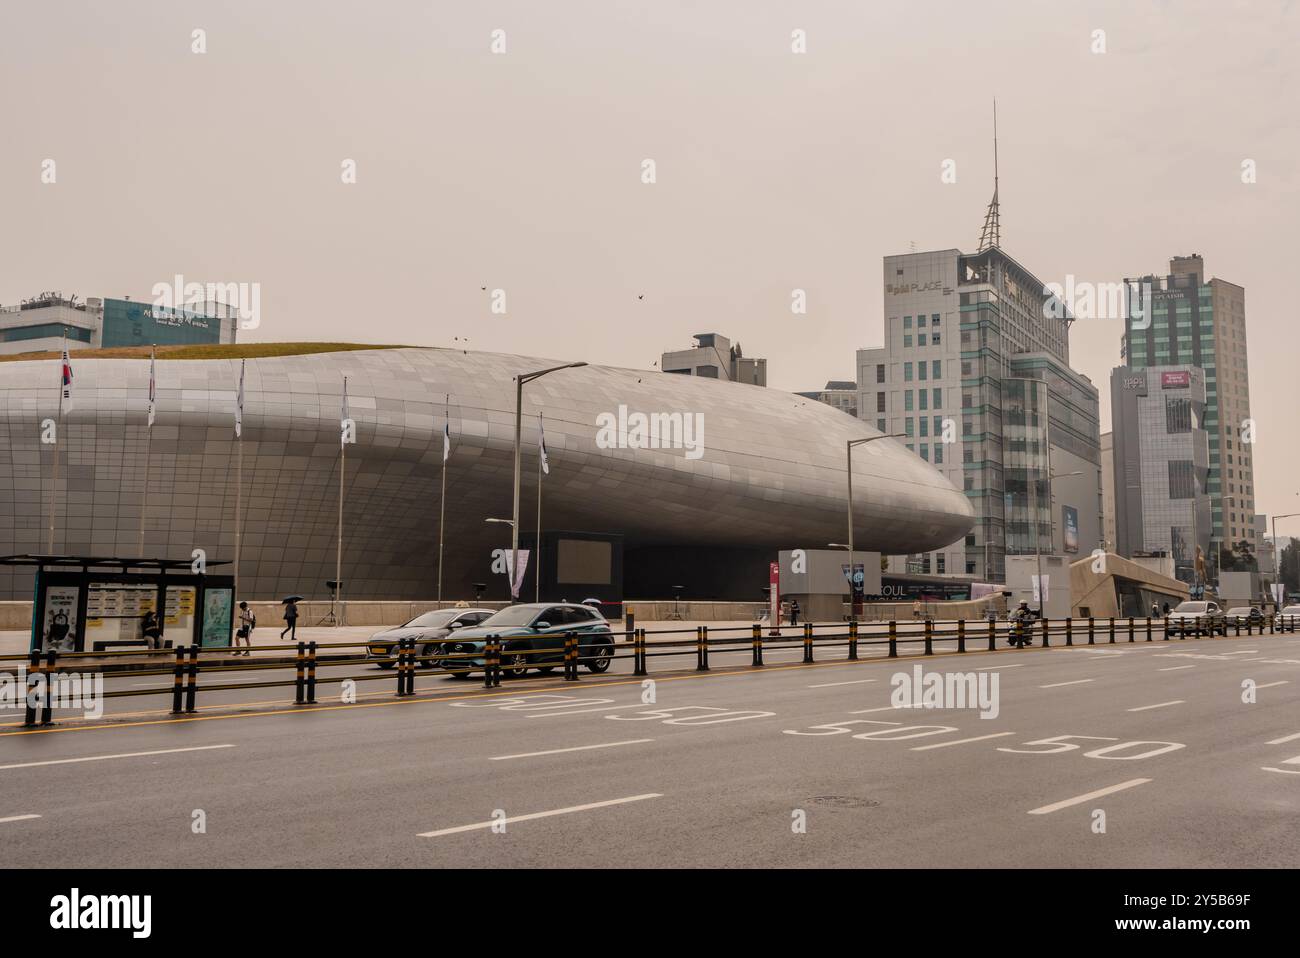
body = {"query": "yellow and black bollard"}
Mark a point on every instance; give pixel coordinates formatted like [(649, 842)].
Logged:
[(1092, 628), (993, 635), (1047, 632), (1069, 630), (893, 639), (178, 680), (807, 642), (853, 640), (757, 638), (300, 677), (929, 637), (961, 635), (311, 673), (702, 640), (192, 671)]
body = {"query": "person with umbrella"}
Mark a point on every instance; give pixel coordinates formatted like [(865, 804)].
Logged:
[(291, 617)]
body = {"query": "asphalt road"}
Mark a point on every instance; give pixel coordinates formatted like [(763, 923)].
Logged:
[(719, 770)]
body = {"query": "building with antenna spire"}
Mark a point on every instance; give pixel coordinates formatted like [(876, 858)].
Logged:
[(975, 372)]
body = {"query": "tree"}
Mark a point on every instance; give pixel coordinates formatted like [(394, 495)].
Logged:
[(1240, 558), (1289, 569)]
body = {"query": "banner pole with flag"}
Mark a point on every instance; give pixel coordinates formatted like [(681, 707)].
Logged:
[(65, 394), (344, 423), (442, 498), (239, 470), (543, 466), (148, 440)]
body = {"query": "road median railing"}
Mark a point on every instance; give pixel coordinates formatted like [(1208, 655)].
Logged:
[(510, 657)]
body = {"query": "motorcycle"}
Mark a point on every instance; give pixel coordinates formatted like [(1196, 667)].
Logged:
[(1020, 631)]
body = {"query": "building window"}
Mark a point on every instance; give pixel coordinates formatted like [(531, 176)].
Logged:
[(880, 372), (924, 397), (934, 338), (907, 340), (925, 447), (907, 322), (941, 563), (907, 400), (938, 454), (938, 399), (925, 423), (909, 428), (937, 368), (920, 339), (920, 371), (934, 319), (880, 425), (907, 372), (1182, 479), (1178, 415), (920, 322)]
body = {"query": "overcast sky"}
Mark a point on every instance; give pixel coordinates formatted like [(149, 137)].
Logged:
[(522, 171)]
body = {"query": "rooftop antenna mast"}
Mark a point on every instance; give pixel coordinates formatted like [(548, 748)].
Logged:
[(991, 234)]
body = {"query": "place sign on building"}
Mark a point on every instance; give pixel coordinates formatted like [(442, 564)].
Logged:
[(900, 289)]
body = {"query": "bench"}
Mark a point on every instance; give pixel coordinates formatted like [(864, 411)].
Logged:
[(104, 645)]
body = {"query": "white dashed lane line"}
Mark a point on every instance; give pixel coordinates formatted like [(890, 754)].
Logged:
[(1284, 739), (1057, 685), (512, 819), (1269, 685), (1080, 799), (18, 818), (1176, 668), (576, 748), (830, 685), (1158, 705), (101, 758)]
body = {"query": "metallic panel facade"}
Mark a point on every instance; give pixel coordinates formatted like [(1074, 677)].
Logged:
[(770, 476)]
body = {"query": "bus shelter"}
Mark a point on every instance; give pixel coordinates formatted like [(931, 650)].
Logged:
[(97, 603)]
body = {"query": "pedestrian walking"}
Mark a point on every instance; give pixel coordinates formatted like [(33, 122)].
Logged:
[(916, 609), (290, 620), (247, 622)]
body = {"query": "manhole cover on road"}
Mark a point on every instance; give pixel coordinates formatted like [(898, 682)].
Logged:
[(845, 801)]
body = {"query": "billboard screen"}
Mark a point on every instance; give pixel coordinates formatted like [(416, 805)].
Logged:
[(1180, 380), (1070, 528)]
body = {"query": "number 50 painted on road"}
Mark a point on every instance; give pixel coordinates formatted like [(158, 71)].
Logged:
[(1058, 744)]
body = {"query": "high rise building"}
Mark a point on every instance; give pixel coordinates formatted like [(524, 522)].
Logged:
[(714, 357), (42, 323), (841, 394), (1160, 462), (1182, 320), (975, 371), (1109, 533)]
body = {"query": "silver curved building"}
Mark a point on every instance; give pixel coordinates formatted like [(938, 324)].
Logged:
[(764, 471)]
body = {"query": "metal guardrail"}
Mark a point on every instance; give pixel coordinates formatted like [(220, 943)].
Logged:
[(499, 659)]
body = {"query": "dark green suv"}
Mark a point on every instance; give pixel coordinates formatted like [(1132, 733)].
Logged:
[(532, 636)]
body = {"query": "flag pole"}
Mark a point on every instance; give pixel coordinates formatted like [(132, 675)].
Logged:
[(239, 470), (338, 552), (148, 441), (537, 546), (442, 498), (58, 425)]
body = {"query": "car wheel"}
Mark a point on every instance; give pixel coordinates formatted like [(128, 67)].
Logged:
[(601, 655), (514, 665), (389, 661), (546, 669), (425, 660)]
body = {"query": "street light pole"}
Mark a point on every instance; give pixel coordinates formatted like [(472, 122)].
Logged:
[(1277, 558), (849, 472), (519, 405)]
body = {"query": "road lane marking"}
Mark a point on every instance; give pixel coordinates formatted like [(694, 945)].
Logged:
[(831, 685), (101, 758), (1176, 668), (511, 819), (1057, 685), (961, 741), (999, 668), (1269, 685), (1080, 799), (576, 748), (18, 818), (1158, 705), (1285, 771), (883, 708), (603, 708), (1284, 739)]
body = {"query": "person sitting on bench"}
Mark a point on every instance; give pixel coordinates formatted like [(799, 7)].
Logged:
[(151, 630)]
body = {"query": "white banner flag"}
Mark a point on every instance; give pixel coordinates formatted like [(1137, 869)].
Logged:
[(347, 433), (1046, 589), (239, 402), (153, 389), (446, 441), (541, 445), (517, 579)]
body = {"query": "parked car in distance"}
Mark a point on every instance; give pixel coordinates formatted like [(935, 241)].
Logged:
[(1197, 617), (428, 630), (1246, 615), (532, 636)]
